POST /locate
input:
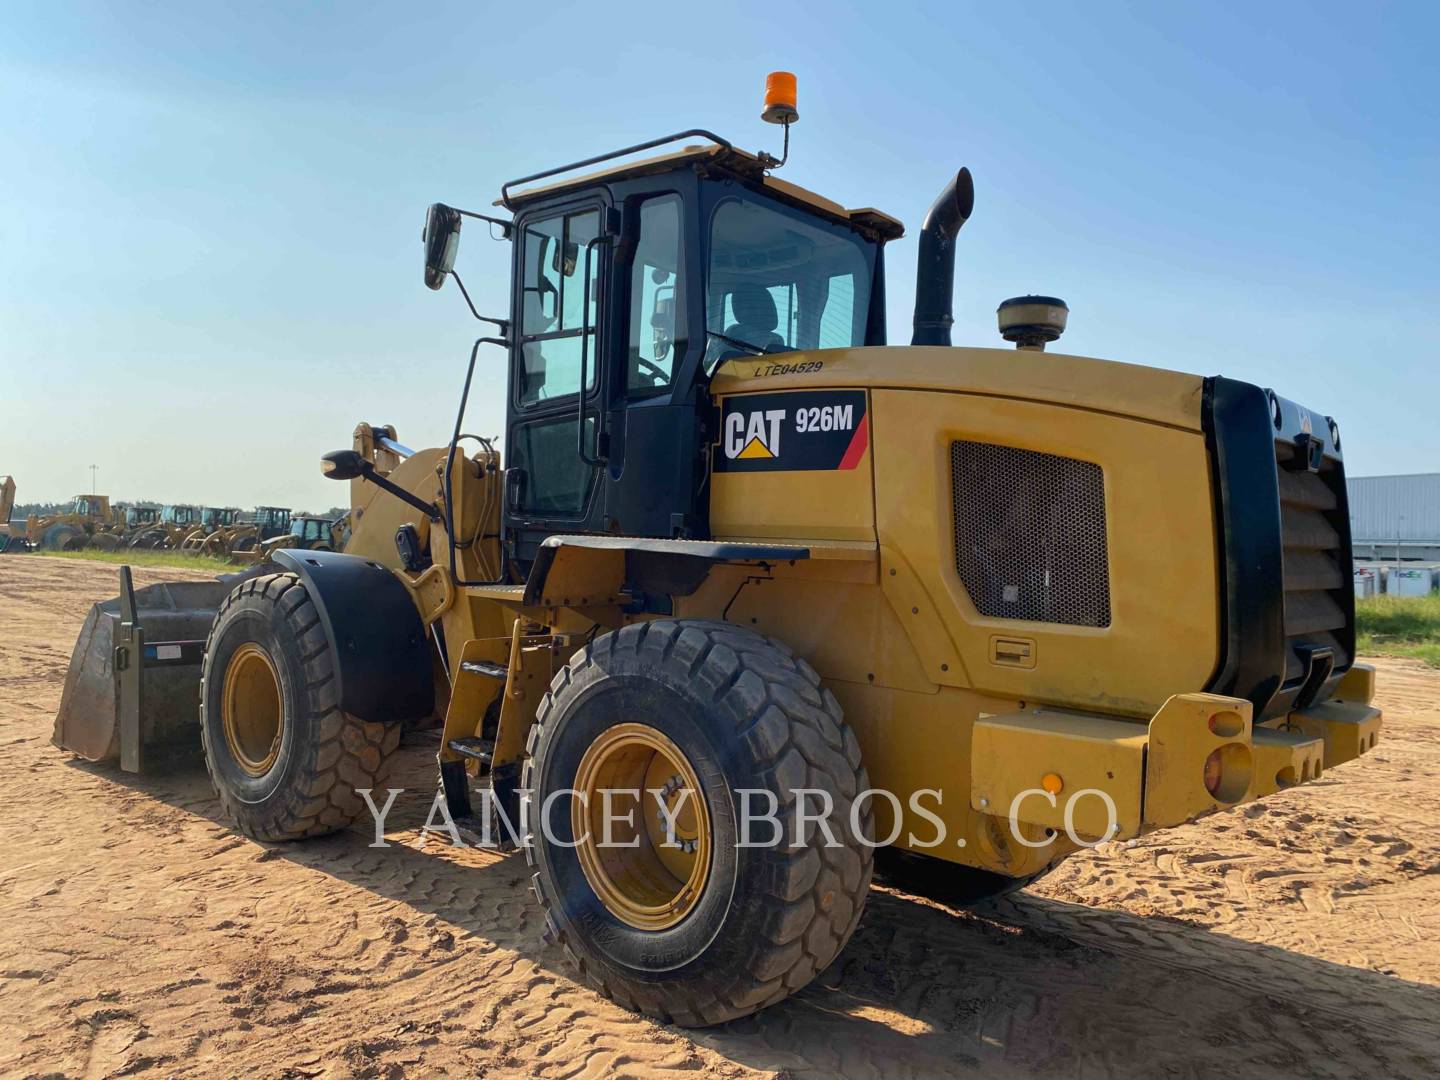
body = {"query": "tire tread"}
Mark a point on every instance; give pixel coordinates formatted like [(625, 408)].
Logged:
[(349, 754), (797, 731)]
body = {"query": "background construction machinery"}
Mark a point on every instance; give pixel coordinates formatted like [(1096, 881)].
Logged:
[(89, 521), (11, 539)]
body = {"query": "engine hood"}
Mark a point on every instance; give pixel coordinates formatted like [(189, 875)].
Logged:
[(1171, 398)]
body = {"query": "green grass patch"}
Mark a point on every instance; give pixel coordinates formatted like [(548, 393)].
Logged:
[(1399, 626), (182, 560)]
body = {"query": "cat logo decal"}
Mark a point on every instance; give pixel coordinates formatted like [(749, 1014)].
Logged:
[(806, 430)]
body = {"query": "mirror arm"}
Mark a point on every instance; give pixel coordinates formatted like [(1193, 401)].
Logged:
[(506, 227), (503, 325), (368, 473)]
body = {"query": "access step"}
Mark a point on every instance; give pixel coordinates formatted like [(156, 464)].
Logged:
[(481, 750)]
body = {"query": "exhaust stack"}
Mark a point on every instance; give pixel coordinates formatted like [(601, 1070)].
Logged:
[(935, 273)]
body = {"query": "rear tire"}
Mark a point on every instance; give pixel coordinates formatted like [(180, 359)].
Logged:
[(105, 541), (743, 713), (286, 761)]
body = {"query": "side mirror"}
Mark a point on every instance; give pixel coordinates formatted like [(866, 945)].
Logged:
[(442, 240), (351, 465), (344, 465)]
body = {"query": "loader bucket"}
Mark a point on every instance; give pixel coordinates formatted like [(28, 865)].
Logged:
[(133, 688)]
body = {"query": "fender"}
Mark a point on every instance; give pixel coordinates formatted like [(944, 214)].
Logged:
[(382, 654), (607, 564)]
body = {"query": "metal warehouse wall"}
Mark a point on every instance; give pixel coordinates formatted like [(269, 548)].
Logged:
[(1390, 508)]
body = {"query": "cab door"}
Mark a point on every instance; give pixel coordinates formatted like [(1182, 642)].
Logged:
[(556, 374)]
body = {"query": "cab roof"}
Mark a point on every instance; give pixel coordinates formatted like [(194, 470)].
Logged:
[(723, 158)]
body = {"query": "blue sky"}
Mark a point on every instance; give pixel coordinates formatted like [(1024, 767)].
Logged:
[(209, 244)]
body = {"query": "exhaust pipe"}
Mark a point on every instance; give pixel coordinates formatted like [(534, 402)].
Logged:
[(935, 274)]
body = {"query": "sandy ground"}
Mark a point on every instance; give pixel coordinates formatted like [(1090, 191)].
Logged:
[(1300, 936)]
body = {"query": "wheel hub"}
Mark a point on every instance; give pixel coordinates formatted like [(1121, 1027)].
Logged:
[(645, 877), (251, 709)]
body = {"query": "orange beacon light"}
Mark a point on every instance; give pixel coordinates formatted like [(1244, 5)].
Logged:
[(780, 98)]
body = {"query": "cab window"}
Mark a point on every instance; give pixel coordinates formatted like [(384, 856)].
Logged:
[(557, 303), (657, 321), (556, 480), (779, 280)]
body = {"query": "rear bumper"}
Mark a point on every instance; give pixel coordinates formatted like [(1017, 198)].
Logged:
[(1102, 778)]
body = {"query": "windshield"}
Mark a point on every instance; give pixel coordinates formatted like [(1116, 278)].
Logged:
[(781, 280)]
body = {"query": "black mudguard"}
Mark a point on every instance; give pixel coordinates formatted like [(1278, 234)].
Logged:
[(382, 654)]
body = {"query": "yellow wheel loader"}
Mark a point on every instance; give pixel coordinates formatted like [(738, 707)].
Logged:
[(89, 522), (174, 526), (307, 532), (251, 530), (211, 537), (136, 521), (756, 599)]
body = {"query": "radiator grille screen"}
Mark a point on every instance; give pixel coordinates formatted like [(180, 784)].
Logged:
[(1030, 534), (1318, 585)]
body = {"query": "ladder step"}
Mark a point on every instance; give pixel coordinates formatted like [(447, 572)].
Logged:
[(479, 749), (486, 668)]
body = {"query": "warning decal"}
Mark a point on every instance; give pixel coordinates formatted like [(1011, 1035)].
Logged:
[(806, 430)]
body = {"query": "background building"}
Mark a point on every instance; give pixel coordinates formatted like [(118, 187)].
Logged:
[(1395, 517)]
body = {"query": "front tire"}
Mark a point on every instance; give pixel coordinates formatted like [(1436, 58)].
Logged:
[(286, 761), (63, 537), (722, 708)]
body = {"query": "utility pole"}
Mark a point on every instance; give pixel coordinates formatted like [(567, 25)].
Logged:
[(93, 470), (1399, 532)]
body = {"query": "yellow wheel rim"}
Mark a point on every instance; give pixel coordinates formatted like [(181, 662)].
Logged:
[(251, 710), (641, 879)]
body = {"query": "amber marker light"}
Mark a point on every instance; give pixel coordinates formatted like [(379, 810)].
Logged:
[(1053, 783)]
